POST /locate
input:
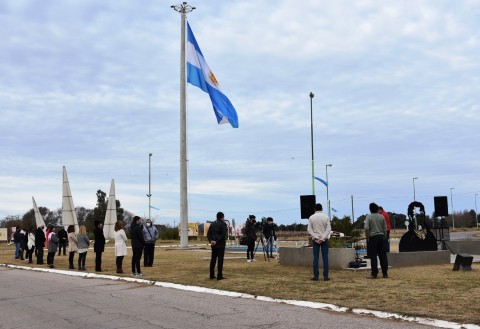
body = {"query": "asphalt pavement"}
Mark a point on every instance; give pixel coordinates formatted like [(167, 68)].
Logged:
[(30, 299)]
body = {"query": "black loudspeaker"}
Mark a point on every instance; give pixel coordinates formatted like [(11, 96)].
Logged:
[(307, 206), (463, 260), (441, 206)]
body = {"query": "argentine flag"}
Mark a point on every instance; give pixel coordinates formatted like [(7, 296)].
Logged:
[(200, 75)]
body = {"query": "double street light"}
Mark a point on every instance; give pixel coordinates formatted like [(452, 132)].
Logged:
[(326, 177)]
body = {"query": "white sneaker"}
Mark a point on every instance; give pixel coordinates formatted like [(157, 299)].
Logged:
[(254, 260), (249, 260)]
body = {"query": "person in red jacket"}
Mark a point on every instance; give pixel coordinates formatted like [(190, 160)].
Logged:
[(387, 220)]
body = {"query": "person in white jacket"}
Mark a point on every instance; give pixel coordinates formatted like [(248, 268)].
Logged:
[(319, 229), (30, 245), (120, 245)]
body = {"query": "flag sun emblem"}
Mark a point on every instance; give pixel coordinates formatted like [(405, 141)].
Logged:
[(213, 79)]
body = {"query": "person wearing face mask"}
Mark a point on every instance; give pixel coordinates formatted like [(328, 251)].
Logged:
[(150, 235)]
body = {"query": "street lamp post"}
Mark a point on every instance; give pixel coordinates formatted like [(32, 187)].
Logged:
[(476, 212), (414, 187), (451, 201), (326, 177), (311, 141), (149, 186)]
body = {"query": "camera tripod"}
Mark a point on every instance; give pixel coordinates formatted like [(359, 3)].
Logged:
[(264, 249)]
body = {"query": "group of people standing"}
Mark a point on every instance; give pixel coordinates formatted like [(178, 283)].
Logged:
[(35, 241), (217, 234), (377, 234)]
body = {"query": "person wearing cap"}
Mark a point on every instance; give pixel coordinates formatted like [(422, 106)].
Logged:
[(319, 229), (217, 234), (150, 235), (251, 235), (98, 245)]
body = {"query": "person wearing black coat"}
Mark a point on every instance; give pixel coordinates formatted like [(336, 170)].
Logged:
[(138, 243), (23, 244), (251, 237), (62, 241), (217, 234), (40, 243), (98, 245)]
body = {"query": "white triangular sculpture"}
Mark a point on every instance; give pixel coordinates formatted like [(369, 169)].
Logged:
[(69, 217), (111, 214), (38, 216)]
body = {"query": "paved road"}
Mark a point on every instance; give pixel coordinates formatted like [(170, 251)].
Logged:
[(45, 300)]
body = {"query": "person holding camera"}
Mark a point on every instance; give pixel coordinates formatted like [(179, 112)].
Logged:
[(251, 237), (269, 233)]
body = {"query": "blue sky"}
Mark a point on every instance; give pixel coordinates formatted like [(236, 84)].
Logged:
[(94, 86)]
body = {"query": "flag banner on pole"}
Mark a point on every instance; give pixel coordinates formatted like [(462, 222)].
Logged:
[(321, 180), (200, 75)]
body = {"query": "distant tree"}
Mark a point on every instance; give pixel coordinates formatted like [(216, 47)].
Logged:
[(346, 227), (82, 214), (120, 211), (98, 212)]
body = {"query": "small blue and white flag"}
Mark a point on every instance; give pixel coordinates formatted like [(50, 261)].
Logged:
[(200, 75), (321, 180)]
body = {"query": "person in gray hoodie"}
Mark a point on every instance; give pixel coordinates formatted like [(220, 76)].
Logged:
[(150, 235)]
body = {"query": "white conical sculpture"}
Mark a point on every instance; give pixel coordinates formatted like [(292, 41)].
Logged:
[(38, 216), (69, 217), (111, 214)]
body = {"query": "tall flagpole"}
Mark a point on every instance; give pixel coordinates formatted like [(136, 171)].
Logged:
[(183, 9)]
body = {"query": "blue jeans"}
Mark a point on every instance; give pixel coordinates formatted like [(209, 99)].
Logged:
[(316, 254), (269, 246), (17, 250)]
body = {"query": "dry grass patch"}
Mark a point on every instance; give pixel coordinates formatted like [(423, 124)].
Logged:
[(426, 291)]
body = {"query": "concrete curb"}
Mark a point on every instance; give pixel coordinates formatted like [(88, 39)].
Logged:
[(314, 305)]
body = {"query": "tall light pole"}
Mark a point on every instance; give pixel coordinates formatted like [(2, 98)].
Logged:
[(414, 187), (183, 9), (326, 177), (476, 212), (149, 186), (311, 141), (451, 201)]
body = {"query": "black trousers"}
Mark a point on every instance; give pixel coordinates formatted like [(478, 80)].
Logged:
[(81, 260), (30, 254), (62, 244), (119, 262), (50, 258), (39, 255), (149, 254), (217, 254), (250, 248), (376, 248), (98, 261), (70, 259), (137, 255)]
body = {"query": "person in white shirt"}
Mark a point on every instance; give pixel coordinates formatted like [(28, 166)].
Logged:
[(319, 229)]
